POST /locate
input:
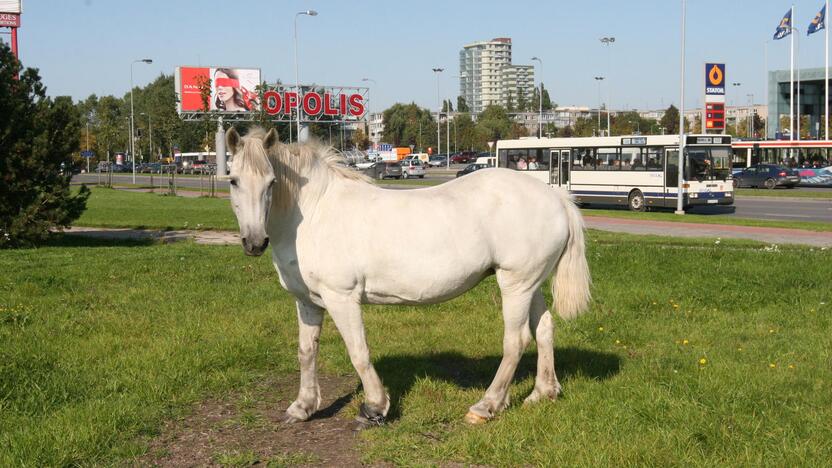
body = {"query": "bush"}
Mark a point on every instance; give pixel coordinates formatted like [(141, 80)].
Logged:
[(38, 136)]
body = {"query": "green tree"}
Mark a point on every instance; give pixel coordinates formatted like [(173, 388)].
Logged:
[(522, 103), (584, 127), (510, 102), (670, 120), (547, 102), (494, 124), (465, 133), (408, 124), (38, 136), (447, 105), (461, 105)]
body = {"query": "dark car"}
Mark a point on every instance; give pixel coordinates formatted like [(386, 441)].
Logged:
[(767, 176), (382, 170), (463, 157), (471, 168)]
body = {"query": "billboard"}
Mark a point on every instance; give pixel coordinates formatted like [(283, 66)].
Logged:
[(714, 97), (11, 6), (225, 89)]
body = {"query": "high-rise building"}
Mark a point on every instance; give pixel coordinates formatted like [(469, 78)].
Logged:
[(487, 76)]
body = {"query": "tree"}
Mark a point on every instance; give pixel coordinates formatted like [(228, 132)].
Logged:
[(493, 124), (447, 106), (547, 102), (670, 120), (38, 136), (522, 103), (360, 140), (408, 124), (510, 102), (461, 105)]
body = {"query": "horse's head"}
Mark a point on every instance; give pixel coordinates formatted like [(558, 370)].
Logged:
[(251, 178)]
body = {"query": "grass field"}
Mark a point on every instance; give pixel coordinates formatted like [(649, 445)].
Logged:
[(119, 208), (692, 353), (784, 193)]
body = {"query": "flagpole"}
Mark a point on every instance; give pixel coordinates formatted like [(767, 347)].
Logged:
[(791, 80), (826, 72)]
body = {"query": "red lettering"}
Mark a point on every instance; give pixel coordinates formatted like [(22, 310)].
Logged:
[(328, 109), (272, 102), (356, 106), (308, 107), (290, 101), (342, 101)]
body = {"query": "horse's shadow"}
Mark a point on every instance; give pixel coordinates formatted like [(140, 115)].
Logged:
[(399, 372)]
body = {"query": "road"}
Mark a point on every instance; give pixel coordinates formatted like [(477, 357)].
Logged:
[(772, 208)]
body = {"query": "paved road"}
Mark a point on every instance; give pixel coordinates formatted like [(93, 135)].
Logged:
[(772, 208)]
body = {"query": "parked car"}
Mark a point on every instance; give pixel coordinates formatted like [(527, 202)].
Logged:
[(383, 170), (767, 176), (471, 168), (463, 157), (439, 160), (413, 168)]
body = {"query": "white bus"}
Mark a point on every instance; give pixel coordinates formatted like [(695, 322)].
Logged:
[(634, 171)]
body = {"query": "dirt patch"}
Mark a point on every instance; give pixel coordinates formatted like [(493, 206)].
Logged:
[(245, 429)]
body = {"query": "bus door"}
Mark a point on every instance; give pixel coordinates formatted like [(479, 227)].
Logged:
[(671, 176), (559, 167)]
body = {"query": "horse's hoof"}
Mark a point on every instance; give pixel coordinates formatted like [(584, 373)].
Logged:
[(473, 418), (289, 419)]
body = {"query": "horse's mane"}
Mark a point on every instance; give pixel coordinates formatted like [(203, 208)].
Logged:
[(289, 162)]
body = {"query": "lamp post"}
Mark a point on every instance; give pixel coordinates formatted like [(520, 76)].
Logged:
[(750, 117), (540, 109), (439, 115), (736, 115), (679, 202), (132, 129), (369, 115), (608, 42), (599, 79), (299, 97)]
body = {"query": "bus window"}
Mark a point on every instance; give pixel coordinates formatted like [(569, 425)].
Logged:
[(583, 159), (607, 159), (655, 158), (632, 159)]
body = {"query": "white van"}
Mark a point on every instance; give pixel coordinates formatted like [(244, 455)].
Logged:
[(491, 161)]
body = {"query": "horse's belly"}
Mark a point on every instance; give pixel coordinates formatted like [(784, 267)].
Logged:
[(416, 290)]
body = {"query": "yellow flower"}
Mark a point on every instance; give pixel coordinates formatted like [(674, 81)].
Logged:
[(600, 328), (772, 365), (739, 349), (684, 341), (654, 302), (771, 330), (791, 366), (675, 306), (703, 361), (617, 342)]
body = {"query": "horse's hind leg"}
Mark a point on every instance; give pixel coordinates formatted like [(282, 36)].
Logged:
[(310, 318), (540, 323), (516, 337)]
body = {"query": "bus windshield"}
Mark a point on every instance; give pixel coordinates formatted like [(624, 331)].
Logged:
[(708, 163)]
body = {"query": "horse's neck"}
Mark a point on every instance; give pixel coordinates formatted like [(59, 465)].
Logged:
[(313, 185)]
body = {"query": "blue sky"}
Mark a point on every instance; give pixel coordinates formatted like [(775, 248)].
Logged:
[(86, 46)]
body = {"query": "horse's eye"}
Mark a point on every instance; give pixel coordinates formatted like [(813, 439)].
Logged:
[(271, 184), (233, 182)]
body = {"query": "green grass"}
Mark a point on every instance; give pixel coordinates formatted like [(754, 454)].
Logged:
[(707, 219), (101, 342), (120, 208), (785, 193)]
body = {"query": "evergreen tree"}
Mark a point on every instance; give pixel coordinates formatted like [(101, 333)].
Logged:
[(461, 105), (38, 137)]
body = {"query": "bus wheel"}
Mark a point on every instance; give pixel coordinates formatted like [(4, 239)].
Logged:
[(636, 201)]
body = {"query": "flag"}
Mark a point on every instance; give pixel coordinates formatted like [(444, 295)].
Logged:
[(785, 27), (819, 22)]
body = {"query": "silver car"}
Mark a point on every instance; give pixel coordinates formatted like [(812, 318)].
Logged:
[(382, 170)]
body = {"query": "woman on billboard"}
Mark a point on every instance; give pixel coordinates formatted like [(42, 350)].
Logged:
[(230, 95)]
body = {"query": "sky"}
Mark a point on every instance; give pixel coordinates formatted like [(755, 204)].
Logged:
[(86, 46)]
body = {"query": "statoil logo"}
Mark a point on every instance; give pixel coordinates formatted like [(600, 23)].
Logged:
[(715, 78)]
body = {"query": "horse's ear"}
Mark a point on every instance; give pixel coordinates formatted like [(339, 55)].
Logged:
[(271, 139), (232, 140)]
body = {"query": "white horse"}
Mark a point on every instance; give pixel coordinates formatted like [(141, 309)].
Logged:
[(336, 244)]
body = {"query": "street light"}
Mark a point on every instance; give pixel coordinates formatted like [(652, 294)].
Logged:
[(599, 79), (751, 114), (369, 115), (132, 129), (297, 74), (736, 114), (608, 41), (439, 115), (540, 110)]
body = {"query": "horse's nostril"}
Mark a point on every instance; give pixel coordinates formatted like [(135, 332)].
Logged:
[(245, 241), (266, 243)]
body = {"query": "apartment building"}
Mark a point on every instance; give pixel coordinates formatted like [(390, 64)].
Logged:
[(487, 76)]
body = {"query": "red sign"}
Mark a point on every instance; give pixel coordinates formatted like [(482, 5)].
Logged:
[(9, 20), (714, 116), (314, 103), (218, 89)]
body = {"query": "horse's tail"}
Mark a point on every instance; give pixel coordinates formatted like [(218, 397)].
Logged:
[(571, 283)]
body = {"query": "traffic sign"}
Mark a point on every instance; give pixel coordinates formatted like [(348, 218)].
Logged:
[(87, 153)]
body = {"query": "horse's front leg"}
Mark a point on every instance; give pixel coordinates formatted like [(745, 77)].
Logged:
[(310, 318), (346, 314)]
